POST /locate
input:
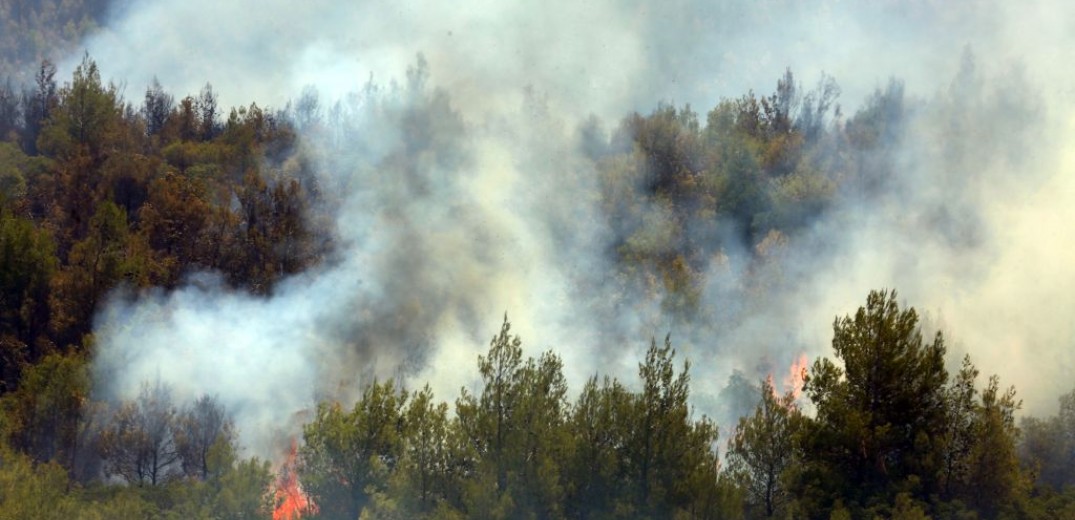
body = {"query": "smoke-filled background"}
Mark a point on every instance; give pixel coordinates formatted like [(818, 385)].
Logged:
[(461, 145)]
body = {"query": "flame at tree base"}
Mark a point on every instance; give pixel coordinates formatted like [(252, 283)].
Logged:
[(291, 501)]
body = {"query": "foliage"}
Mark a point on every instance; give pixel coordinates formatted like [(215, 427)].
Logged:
[(348, 456), (27, 267), (99, 193), (520, 448), (763, 451), (893, 436), (45, 412), (33, 31), (33, 491), (1047, 446), (877, 414), (676, 193), (138, 444), (199, 430)]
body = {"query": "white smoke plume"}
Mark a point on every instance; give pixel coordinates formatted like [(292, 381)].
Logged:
[(471, 196)]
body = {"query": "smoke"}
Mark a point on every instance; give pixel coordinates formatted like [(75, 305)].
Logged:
[(466, 191)]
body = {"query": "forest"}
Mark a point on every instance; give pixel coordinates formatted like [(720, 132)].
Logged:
[(101, 193), (107, 199)]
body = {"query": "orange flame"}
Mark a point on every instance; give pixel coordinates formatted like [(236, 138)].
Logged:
[(793, 383), (291, 501), (772, 387)]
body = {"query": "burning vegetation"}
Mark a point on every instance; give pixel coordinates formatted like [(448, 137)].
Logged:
[(291, 503), (407, 203), (796, 377)]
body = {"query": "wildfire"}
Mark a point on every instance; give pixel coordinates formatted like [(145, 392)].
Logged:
[(796, 376), (793, 382), (291, 501)]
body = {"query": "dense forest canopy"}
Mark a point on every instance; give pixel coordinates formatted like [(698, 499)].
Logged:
[(47, 29), (275, 307)]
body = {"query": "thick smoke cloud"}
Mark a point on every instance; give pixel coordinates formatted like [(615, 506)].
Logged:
[(466, 193)]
